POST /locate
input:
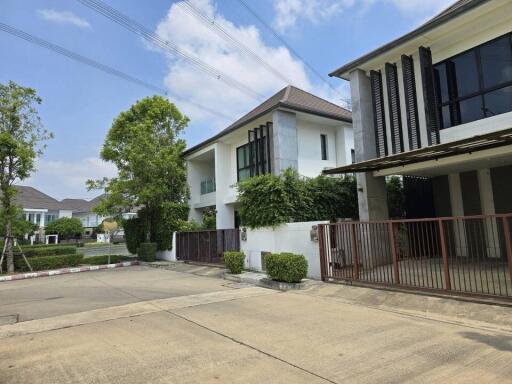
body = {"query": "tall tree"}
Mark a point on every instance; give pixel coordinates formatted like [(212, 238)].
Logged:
[(22, 139), (145, 146)]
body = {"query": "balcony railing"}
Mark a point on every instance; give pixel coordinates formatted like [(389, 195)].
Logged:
[(207, 186)]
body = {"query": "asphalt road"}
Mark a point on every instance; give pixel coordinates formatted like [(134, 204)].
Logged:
[(142, 325)]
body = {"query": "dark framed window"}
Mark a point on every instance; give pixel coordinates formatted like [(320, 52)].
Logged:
[(475, 84), (243, 162), (323, 146), (353, 156)]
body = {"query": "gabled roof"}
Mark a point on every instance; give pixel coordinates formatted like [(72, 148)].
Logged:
[(29, 197), (456, 9), (289, 97)]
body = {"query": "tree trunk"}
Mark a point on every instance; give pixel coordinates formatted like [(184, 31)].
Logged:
[(148, 223), (8, 246)]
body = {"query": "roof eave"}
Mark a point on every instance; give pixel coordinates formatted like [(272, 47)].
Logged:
[(343, 71)]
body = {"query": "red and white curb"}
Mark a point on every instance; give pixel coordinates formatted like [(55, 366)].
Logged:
[(64, 271)]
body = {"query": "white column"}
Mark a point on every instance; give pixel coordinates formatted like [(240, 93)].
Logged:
[(225, 212), (459, 229), (487, 203)]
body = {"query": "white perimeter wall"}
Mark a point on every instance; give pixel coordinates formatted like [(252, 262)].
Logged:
[(291, 237)]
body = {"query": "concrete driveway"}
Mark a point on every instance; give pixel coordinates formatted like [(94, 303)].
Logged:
[(160, 326)]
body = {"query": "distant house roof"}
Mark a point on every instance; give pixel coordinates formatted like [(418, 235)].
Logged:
[(289, 97), (456, 9), (29, 197)]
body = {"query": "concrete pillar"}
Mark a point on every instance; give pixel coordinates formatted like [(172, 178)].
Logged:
[(284, 141), (225, 212), (371, 191), (487, 203), (459, 229)]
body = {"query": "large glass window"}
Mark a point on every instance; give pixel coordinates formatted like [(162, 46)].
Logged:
[(247, 167), (243, 162), (476, 84)]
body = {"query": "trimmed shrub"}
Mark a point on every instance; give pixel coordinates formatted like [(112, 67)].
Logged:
[(48, 251), (134, 234), (99, 260), (43, 263), (147, 251), (287, 267), (234, 261)]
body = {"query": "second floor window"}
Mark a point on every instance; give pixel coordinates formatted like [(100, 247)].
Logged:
[(475, 84), (252, 159), (323, 146)]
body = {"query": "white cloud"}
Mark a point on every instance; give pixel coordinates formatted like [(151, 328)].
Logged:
[(63, 17), (290, 12), (194, 37), (66, 179)]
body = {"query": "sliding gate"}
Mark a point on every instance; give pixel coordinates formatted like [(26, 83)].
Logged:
[(466, 255), (206, 246)]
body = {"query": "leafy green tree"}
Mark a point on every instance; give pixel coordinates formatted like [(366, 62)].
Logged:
[(396, 197), (332, 198), (20, 226), (144, 144), (65, 227), (21, 142)]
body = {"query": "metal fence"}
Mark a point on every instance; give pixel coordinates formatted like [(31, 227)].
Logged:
[(206, 246), (468, 255)]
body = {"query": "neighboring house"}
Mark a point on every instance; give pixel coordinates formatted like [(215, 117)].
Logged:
[(41, 209), (293, 129), (435, 105)]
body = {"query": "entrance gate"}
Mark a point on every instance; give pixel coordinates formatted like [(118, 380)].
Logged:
[(206, 246)]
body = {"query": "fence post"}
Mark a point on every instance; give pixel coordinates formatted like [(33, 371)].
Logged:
[(323, 259), (354, 250), (508, 244), (392, 240), (444, 253)]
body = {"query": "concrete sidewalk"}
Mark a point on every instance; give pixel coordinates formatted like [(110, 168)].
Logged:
[(237, 334)]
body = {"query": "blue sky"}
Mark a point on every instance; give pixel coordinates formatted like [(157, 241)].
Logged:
[(79, 102)]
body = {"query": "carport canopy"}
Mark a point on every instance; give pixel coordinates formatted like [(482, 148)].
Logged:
[(434, 152)]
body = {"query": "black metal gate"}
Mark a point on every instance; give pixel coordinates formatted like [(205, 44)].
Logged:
[(206, 246)]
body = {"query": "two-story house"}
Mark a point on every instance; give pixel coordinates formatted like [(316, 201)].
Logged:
[(293, 128), (435, 105)]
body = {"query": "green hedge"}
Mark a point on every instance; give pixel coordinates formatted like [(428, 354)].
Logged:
[(43, 263), (234, 261), (48, 250), (147, 251), (286, 267), (99, 260)]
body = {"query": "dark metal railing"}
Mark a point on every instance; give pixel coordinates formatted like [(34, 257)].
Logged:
[(467, 255)]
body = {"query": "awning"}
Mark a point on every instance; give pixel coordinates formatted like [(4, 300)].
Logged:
[(433, 152)]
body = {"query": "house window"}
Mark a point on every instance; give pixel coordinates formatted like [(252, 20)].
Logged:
[(252, 158), (353, 155), (475, 84), (243, 162), (323, 146)]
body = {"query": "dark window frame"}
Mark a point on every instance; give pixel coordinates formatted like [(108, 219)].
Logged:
[(453, 100), (324, 149), (257, 156)]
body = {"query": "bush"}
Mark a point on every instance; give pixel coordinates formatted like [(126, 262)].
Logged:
[(100, 260), (286, 267), (47, 250), (65, 227), (234, 261), (147, 251), (48, 262), (134, 234)]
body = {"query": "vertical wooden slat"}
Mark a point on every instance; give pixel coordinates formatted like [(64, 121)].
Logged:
[(430, 97), (411, 105), (354, 250), (323, 259), (379, 118), (395, 116)]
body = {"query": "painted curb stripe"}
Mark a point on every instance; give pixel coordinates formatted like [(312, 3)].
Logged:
[(65, 271)]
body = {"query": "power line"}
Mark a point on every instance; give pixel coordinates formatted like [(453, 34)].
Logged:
[(226, 36), (290, 48), (133, 26), (99, 66)]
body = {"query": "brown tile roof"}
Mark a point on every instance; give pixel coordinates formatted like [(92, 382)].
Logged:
[(289, 97), (454, 10)]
